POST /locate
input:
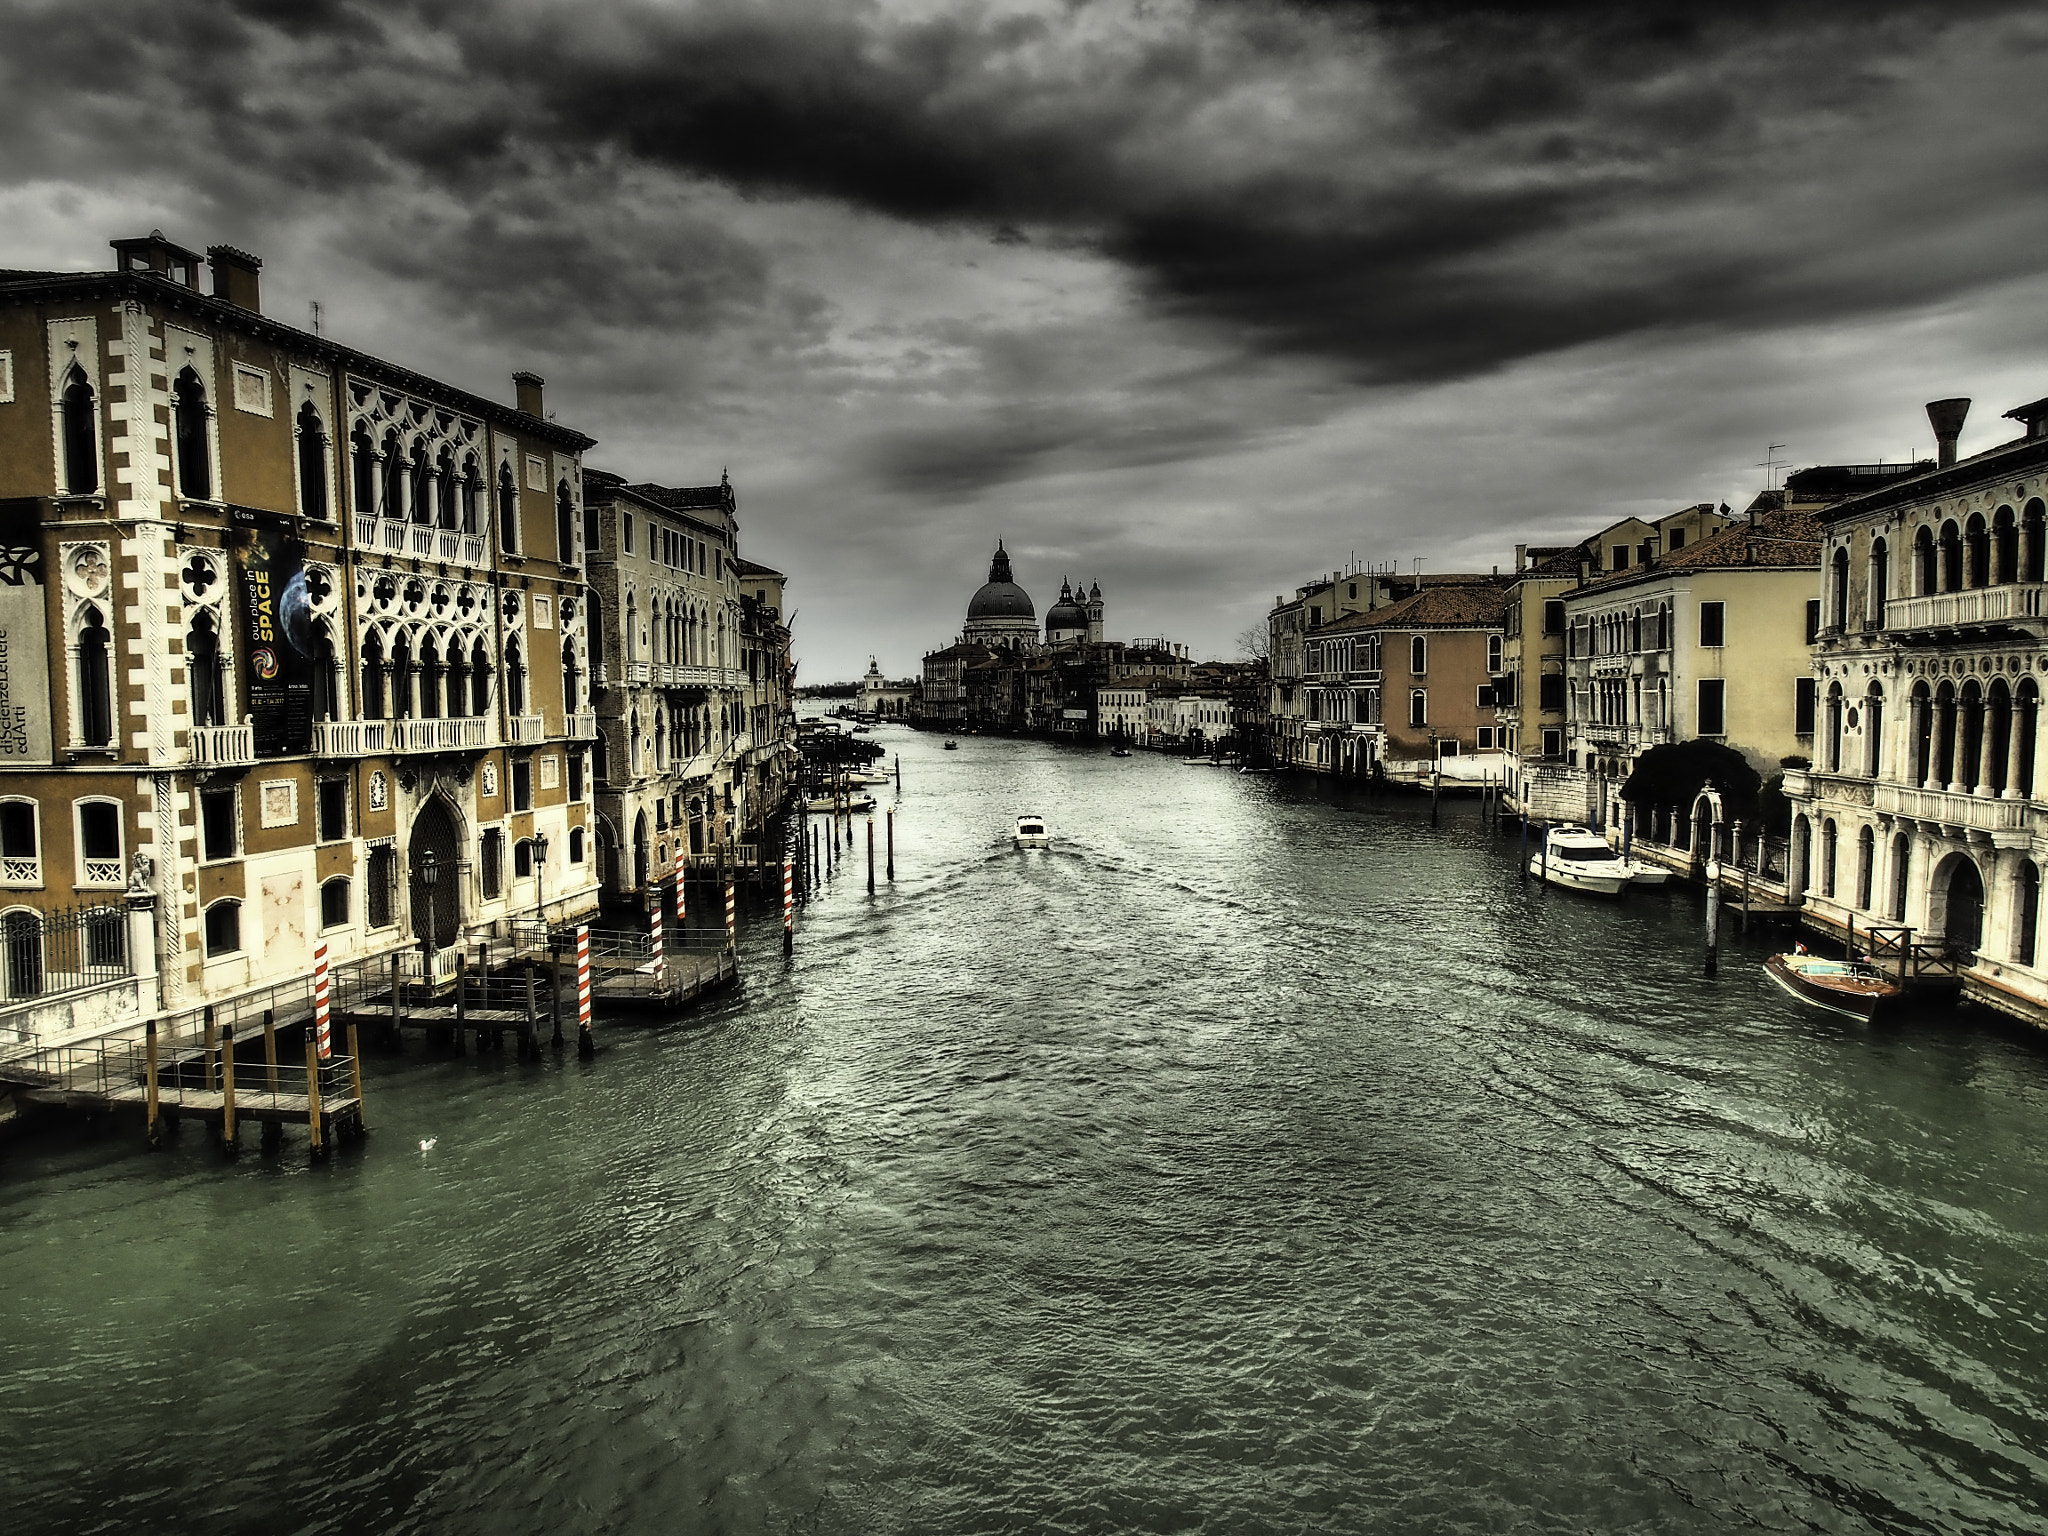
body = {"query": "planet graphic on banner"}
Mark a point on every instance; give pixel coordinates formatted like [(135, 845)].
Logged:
[(295, 614)]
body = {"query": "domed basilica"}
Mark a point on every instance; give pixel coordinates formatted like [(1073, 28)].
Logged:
[(1001, 616)]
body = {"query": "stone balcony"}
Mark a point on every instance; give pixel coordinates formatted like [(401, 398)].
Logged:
[(1981, 813), (639, 671), (365, 738), (583, 725), (1979, 605), (526, 730), (223, 746), (422, 541)]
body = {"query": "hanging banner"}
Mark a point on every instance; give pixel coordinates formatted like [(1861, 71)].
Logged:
[(24, 640), (277, 641)]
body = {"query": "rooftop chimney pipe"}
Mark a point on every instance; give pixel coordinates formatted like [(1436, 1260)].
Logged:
[(1946, 417), (235, 277), (526, 391)]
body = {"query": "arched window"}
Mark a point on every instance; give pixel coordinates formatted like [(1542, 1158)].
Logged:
[(1926, 568), (401, 677), (1834, 728), (394, 479), (2026, 911), (188, 428), (312, 463), (1922, 705), (431, 672), (1838, 582), (2025, 710), (1418, 650), (572, 680), (472, 495), (422, 485), (633, 741), (21, 859), (1866, 866), (575, 845), (458, 679), (223, 928), (1971, 745), (508, 511), (334, 903), (515, 679), (326, 676), (593, 618), (632, 642), (81, 435), (1873, 731), (2005, 546), (1827, 858), (206, 676), (565, 525), (1880, 581), (1977, 539), (449, 487), (660, 741), (21, 940), (522, 859), (1945, 733), (95, 680), (2033, 546), (479, 681), (1998, 729), (363, 459), (373, 676), (1951, 557)]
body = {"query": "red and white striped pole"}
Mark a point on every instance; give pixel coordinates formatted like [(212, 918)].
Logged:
[(321, 1032), (682, 918), (788, 907), (585, 1047), (660, 950), (731, 922)]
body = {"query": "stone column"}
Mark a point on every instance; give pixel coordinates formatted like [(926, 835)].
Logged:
[(2012, 752), (1952, 733), (142, 951), (1984, 791)]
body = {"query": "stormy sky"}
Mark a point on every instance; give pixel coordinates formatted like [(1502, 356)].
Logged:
[(1190, 297)]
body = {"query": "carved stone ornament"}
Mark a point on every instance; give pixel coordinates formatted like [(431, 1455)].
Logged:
[(86, 569), (380, 795)]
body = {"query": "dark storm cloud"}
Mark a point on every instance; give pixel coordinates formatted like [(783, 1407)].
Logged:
[(1417, 192)]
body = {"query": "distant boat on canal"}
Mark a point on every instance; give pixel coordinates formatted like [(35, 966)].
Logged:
[(952, 746), (1579, 859), (1852, 987), (1119, 751), (1031, 832)]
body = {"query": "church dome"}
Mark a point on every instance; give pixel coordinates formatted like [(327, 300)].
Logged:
[(1067, 613), (1001, 597)]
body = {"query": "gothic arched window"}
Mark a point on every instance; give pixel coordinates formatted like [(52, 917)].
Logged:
[(95, 680), (204, 672), (81, 435), (188, 414), (508, 511), (312, 462)]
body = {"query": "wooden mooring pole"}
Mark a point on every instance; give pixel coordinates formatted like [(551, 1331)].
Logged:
[(1713, 917), (355, 1062), (227, 1089), (212, 1041), (555, 974), (586, 1047), (313, 1125), (150, 1084), (890, 817), (871, 853)]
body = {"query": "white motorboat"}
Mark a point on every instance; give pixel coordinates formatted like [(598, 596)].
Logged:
[(1642, 873), (1579, 859), (1031, 832), (843, 802)]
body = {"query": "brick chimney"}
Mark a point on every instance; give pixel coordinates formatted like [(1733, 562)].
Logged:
[(1946, 417), (526, 388), (235, 277)]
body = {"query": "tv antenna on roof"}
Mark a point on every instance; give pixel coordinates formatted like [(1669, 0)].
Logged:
[(315, 307), (1771, 465)]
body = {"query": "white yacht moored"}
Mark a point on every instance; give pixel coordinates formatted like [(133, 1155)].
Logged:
[(1031, 832), (1579, 859)]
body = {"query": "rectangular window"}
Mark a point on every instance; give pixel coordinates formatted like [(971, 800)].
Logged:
[(1553, 617), (99, 838), (380, 882), (575, 776), (1418, 707), (1485, 699), (1713, 716), (1805, 698), (1418, 655), (1550, 691), (626, 532), (333, 810), (6, 378), (1504, 691), (1553, 743), (1486, 738), (216, 824), (1713, 623), (1677, 539), (522, 786), (1620, 557), (334, 904), (591, 523), (493, 861), (1812, 620), (1448, 747), (718, 564)]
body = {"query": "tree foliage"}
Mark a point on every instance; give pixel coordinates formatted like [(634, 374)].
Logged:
[(1672, 775)]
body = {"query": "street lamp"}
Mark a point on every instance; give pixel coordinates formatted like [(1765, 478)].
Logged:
[(540, 869), (430, 875)]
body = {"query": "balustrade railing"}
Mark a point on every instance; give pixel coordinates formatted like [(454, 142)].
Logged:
[(391, 535), (1984, 813), (638, 671), (217, 746), (526, 729), (1980, 605), (583, 725), (366, 530)]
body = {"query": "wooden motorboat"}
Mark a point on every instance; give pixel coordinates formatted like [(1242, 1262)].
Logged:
[(1852, 987), (1579, 859), (1031, 832), (1119, 751), (952, 746), (853, 802)]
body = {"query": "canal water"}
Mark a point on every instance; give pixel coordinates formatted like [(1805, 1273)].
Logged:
[(1260, 1158)]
